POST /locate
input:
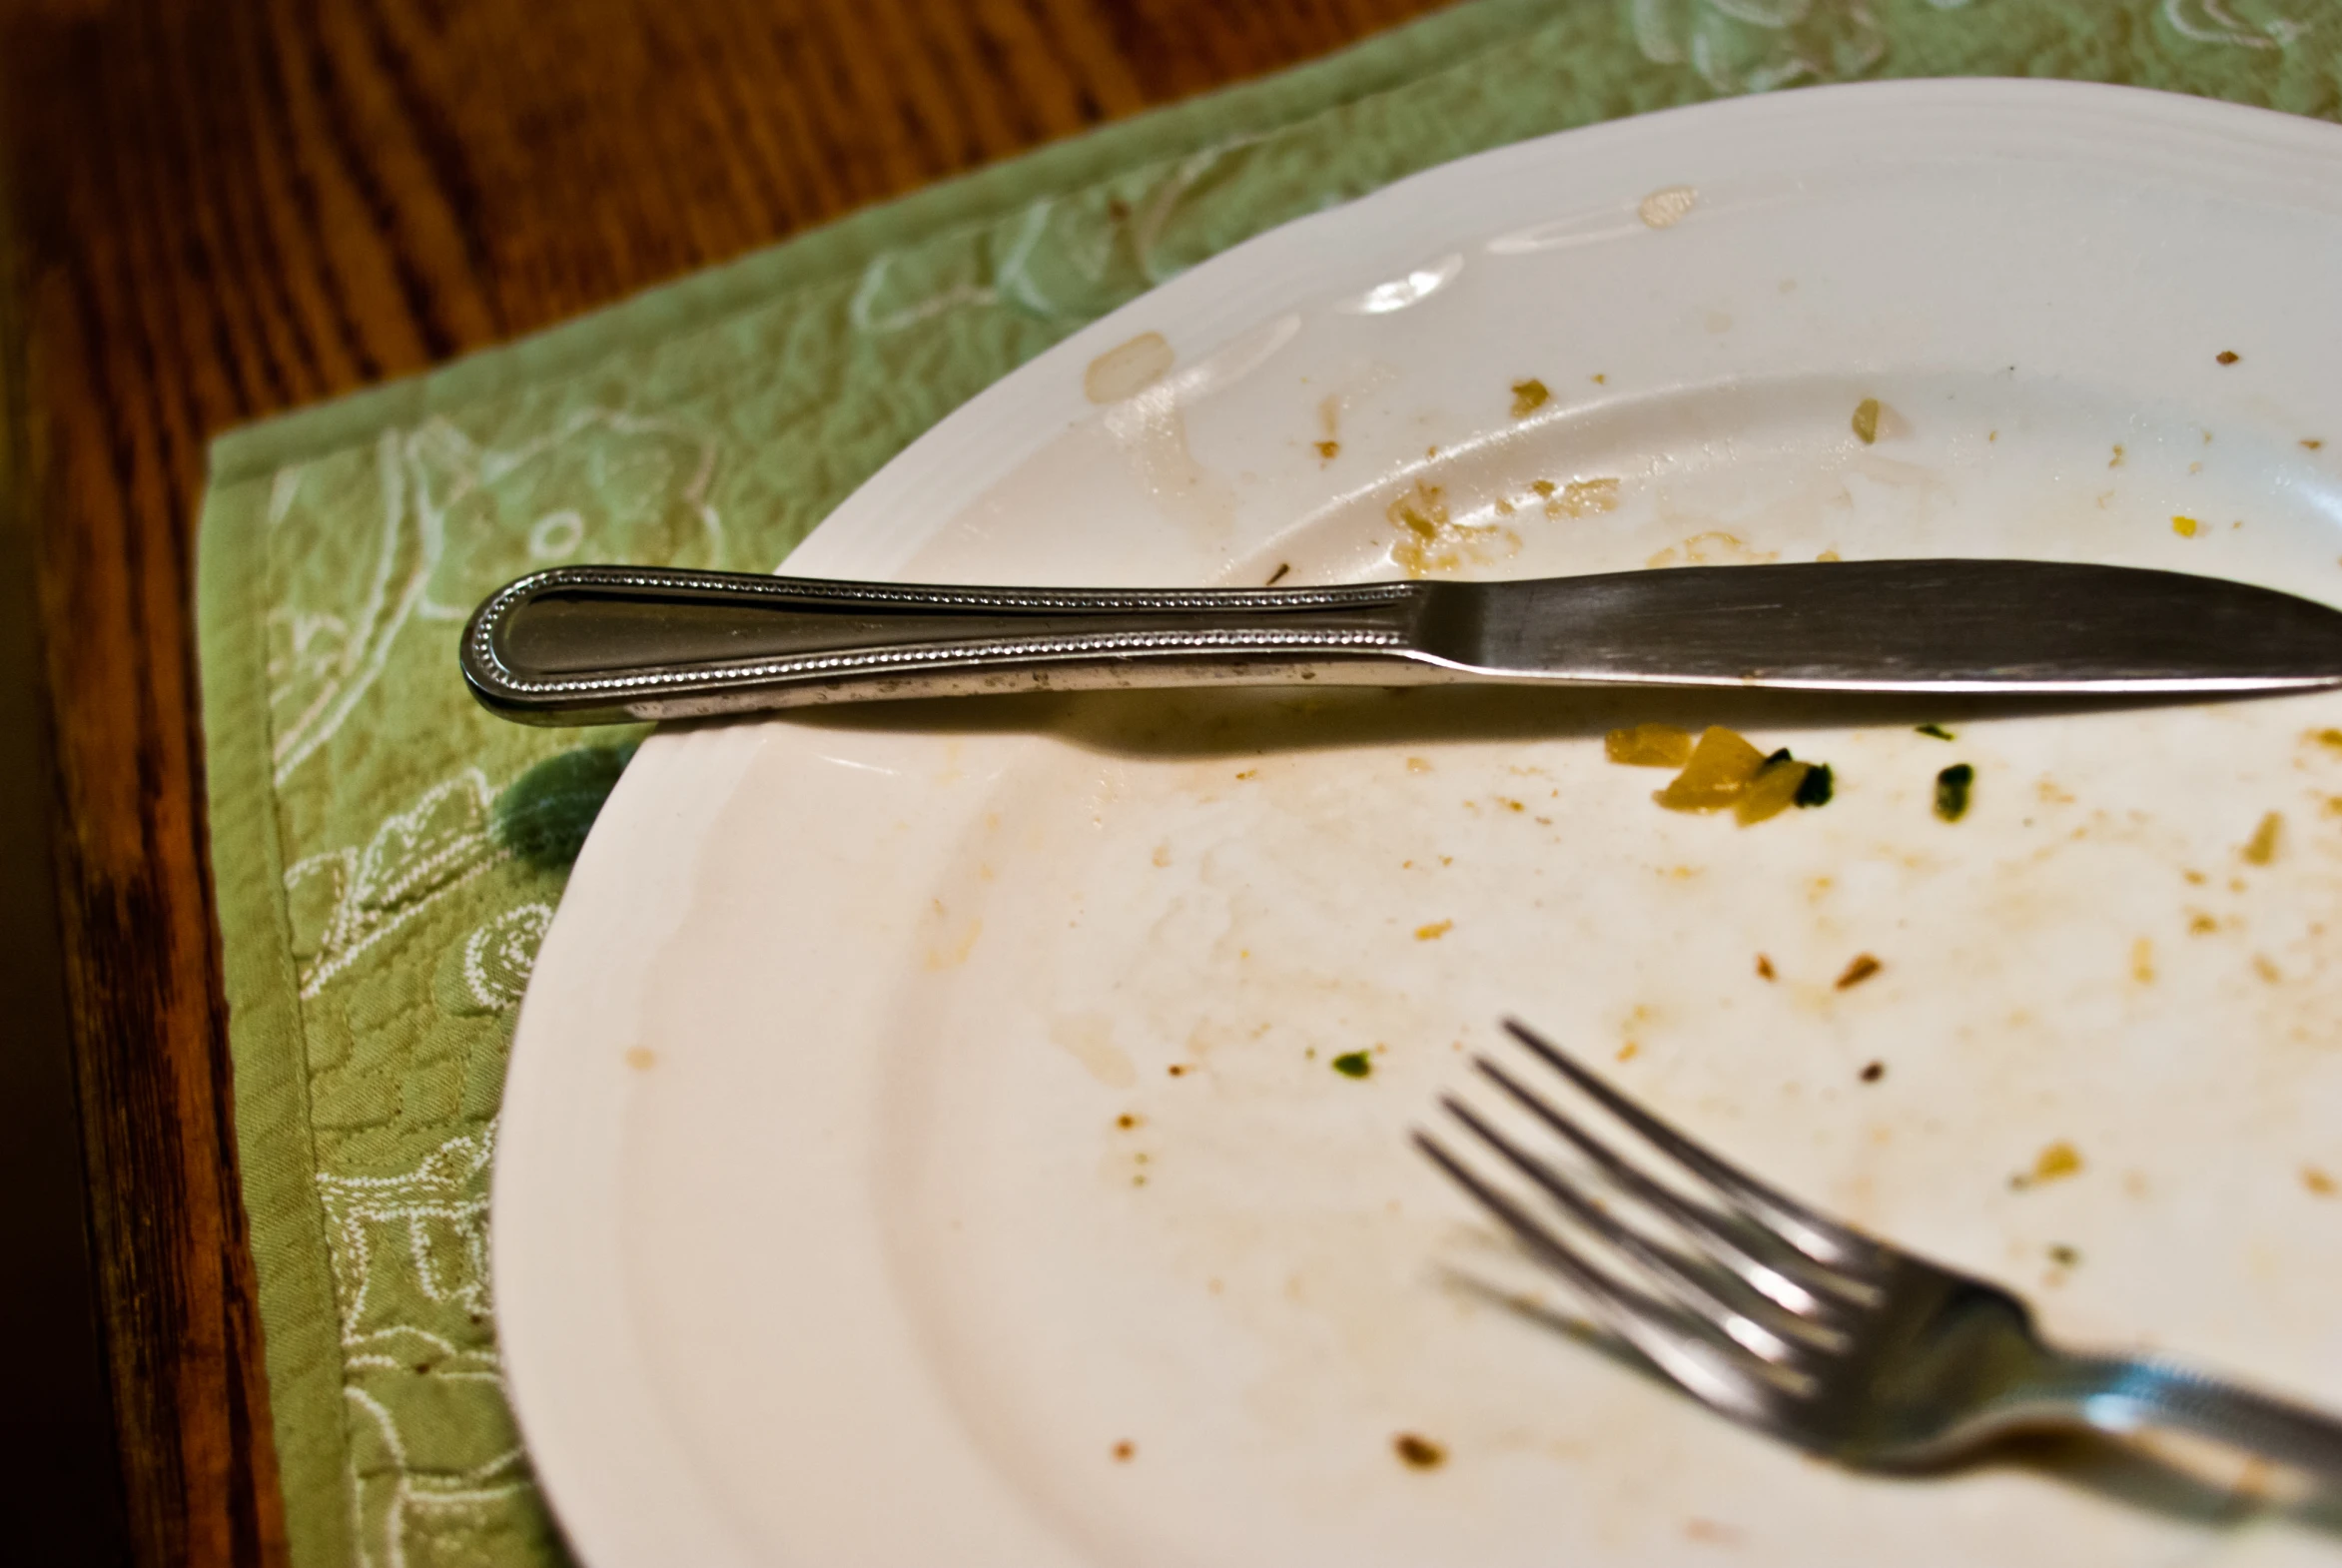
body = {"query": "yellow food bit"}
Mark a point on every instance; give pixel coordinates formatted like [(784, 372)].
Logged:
[(2184, 526), (2318, 1181), (2115, 461), (1772, 791), (2142, 961), (2328, 737), (1629, 1051), (1865, 420), (1543, 487), (1648, 746), (2060, 1159), (1720, 767), (1434, 930), (1527, 398), (1329, 449), (2262, 847), (1862, 969)]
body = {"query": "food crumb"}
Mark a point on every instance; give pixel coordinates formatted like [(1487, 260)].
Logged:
[(1434, 930), (1418, 764), (2318, 1181), (1528, 396), (1629, 1051), (1125, 1449), (1284, 568), (1126, 1120), (641, 1058), (2311, 443), (1597, 379), (1865, 420), (1873, 1072), (1329, 449), (2266, 968), (1937, 730), (2262, 847), (1178, 1070), (2053, 1163), (2228, 356), (2064, 1256), (1418, 1453), (2142, 962), (2184, 526), (1763, 966), (1353, 1064), (1862, 969), (1955, 787), (1664, 209)]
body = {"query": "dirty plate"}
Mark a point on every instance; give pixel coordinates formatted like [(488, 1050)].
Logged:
[(974, 1133)]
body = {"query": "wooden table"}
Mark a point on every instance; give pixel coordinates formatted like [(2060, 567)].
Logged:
[(213, 212)]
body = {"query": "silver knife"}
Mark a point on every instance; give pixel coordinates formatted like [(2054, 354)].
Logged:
[(605, 644)]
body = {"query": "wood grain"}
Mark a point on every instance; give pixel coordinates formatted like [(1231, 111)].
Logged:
[(221, 210)]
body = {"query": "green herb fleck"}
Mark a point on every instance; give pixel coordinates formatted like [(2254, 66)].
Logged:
[(1815, 788), (1353, 1064), (1937, 730), (1952, 788)]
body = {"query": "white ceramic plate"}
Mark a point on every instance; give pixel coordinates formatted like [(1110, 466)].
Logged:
[(913, 1108)]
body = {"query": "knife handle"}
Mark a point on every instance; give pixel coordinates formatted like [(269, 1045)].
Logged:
[(609, 644)]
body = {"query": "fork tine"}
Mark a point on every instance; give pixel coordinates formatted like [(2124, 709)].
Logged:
[(1703, 1224), (1671, 1269), (1821, 1239), (1705, 1370)]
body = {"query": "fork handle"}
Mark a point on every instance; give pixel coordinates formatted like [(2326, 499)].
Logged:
[(606, 644), (2122, 1395)]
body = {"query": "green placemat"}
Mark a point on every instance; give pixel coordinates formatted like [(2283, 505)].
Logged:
[(388, 856)]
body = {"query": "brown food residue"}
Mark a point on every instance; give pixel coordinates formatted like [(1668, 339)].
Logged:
[(1418, 1453), (1862, 969), (1125, 1450), (2228, 356), (1283, 569), (1763, 966), (1865, 420), (2318, 1181), (1873, 1072), (2262, 847), (1329, 449), (1429, 541), (1528, 396), (1579, 497)]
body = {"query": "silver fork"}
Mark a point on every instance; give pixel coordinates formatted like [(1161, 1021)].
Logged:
[(1804, 1328)]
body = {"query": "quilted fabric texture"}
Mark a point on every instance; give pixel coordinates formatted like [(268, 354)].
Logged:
[(389, 856)]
